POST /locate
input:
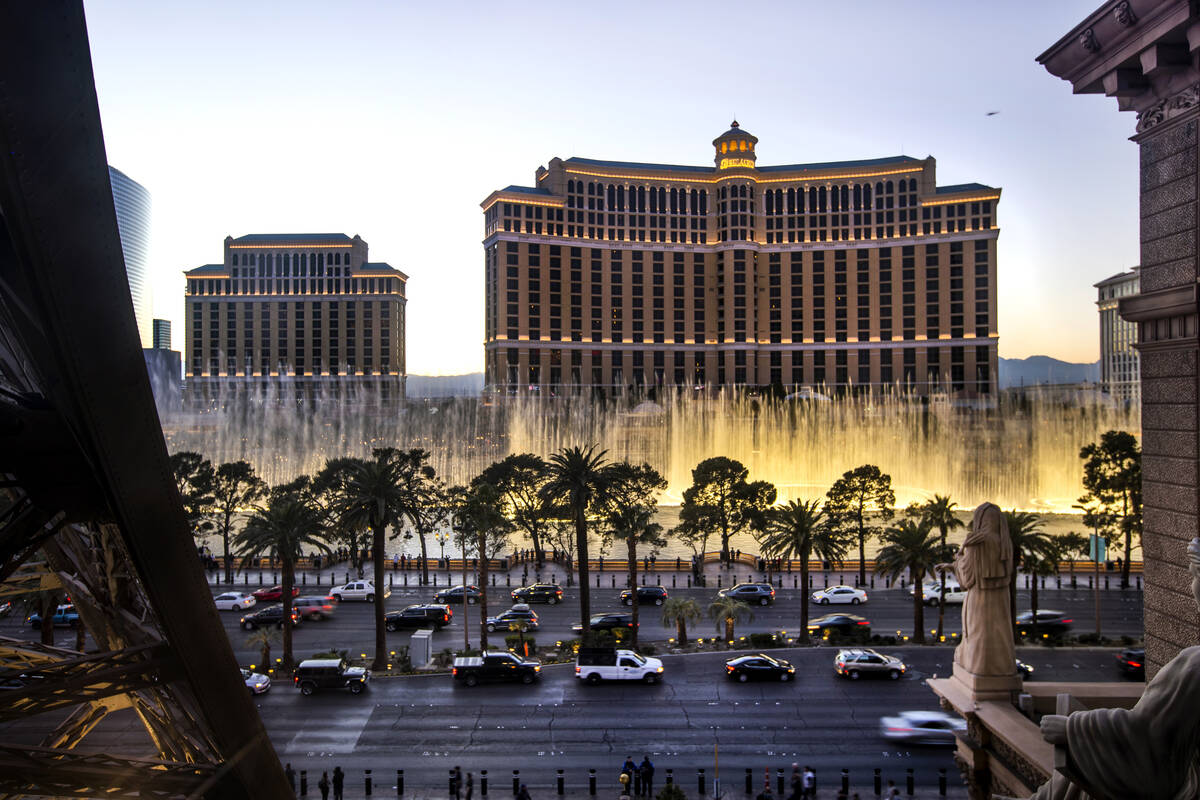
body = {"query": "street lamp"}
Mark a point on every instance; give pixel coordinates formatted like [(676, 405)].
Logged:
[(442, 537), (1095, 556)]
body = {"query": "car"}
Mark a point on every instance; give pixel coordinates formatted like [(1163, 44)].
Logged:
[(271, 615), (922, 727), (1024, 670), (6, 608), (608, 621), (759, 667), (931, 589), (755, 593), (495, 667), (518, 613), (273, 593), (646, 596), (256, 682), (329, 673), (596, 664), (840, 623), (548, 593), (455, 595), (316, 606), (64, 616), (419, 616), (234, 601), (359, 590), (1132, 662), (1050, 623), (839, 594), (858, 663)]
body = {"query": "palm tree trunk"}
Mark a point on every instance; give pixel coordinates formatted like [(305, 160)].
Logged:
[(289, 579), (1033, 606), (424, 558), (862, 556), (681, 630), (729, 629), (539, 552), (1125, 566), (633, 597), (225, 544), (585, 594), (804, 598), (918, 577), (380, 661), (80, 635), (941, 595), (483, 583)]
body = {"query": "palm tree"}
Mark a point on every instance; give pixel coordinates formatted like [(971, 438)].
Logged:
[(519, 626), (1041, 559), (286, 525), (373, 495), (679, 611), (725, 611), (1028, 540), (579, 479), (910, 545), (799, 530), (632, 524), (1071, 545), (940, 513), (263, 638)]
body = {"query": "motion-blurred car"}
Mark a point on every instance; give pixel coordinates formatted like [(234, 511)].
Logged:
[(646, 596), (256, 682), (606, 622), (761, 594), (271, 615), (273, 593), (1050, 623), (1132, 662), (64, 616), (359, 590), (839, 594), (858, 663), (518, 613), (1024, 670), (840, 623), (314, 606), (455, 594), (759, 667), (548, 593), (234, 601), (922, 727), (432, 615), (6, 608)]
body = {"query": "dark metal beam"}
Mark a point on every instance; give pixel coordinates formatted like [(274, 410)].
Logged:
[(66, 773)]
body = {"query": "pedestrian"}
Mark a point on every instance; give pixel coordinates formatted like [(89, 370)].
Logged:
[(323, 785), (456, 780), (339, 782), (524, 793), (892, 791), (646, 768), (470, 785), (291, 776), (810, 783)]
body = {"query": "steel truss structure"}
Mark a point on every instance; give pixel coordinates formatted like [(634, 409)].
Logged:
[(88, 505)]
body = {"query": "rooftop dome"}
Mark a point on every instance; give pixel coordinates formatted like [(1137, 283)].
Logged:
[(735, 147)]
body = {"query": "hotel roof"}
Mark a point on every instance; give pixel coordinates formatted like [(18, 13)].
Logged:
[(291, 238), (965, 187), (869, 162)]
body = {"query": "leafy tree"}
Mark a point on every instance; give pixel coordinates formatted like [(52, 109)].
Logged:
[(375, 494), (235, 487), (851, 501), (560, 535), (631, 504), (911, 546), (1070, 546), (327, 491), (1028, 542), (481, 517), (287, 524), (692, 530), (1112, 478), (263, 639), (679, 611), (520, 479), (726, 611), (426, 509), (1041, 560), (722, 499), (579, 481), (800, 530), (194, 479), (939, 510)]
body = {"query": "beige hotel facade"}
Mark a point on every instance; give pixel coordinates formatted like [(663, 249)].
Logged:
[(837, 275), (304, 313)]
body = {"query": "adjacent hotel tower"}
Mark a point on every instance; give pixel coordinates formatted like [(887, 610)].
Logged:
[(302, 313), (840, 275)]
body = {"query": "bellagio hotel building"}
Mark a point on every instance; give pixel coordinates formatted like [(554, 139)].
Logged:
[(304, 313), (840, 275)]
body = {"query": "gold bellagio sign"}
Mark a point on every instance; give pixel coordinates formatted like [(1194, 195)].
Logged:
[(727, 163)]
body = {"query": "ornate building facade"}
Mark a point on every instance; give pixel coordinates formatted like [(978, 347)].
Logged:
[(1120, 368), (848, 274), (307, 312)]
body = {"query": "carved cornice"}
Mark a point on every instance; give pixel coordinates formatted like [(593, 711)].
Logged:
[(1177, 105)]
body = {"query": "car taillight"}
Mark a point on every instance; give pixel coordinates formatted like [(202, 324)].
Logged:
[(1134, 663), (578, 670), (862, 622), (1067, 620), (295, 679), (453, 671), (729, 667)]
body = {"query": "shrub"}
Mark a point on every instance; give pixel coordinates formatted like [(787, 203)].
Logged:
[(513, 641), (567, 649), (670, 791), (648, 649), (444, 658), (759, 640), (402, 662)]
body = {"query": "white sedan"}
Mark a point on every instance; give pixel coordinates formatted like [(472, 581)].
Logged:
[(256, 682), (922, 727), (234, 601), (839, 594)]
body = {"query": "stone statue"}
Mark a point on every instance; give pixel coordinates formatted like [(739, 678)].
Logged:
[(984, 566), (1148, 752)]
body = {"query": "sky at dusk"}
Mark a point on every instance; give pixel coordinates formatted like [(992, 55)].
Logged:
[(394, 120)]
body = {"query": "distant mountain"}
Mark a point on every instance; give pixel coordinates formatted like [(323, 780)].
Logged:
[(1044, 369), (420, 386)]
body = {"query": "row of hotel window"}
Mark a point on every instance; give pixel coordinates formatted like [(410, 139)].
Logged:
[(288, 264), (287, 286), (263, 365)]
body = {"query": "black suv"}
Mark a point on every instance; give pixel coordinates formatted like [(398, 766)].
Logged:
[(455, 595), (429, 616), (1051, 623), (757, 593), (329, 673), (549, 593), (518, 613), (606, 622), (646, 596), (271, 615)]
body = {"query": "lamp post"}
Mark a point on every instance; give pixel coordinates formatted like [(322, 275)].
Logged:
[(1095, 518), (442, 537)]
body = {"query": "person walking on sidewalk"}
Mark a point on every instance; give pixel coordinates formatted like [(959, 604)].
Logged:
[(339, 781), (323, 785), (456, 780), (646, 770), (810, 784), (524, 793), (291, 776), (470, 785)]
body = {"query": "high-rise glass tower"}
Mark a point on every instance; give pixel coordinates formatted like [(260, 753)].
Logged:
[(132, 203)]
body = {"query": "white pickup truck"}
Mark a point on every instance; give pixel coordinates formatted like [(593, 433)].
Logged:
[(358, 590), (595, 664)]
